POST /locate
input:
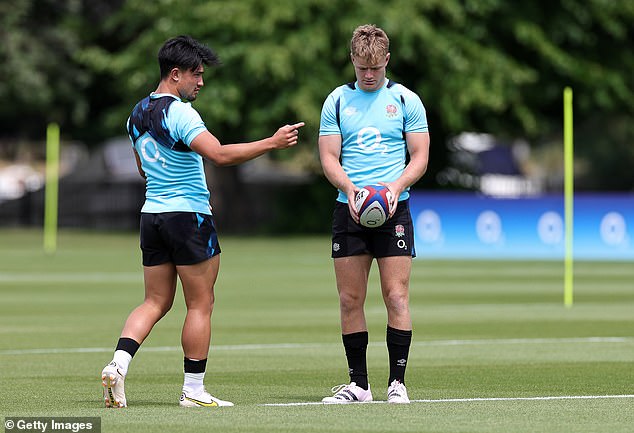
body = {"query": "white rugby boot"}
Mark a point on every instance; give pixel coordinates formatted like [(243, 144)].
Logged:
[(397, 393), (351, 393), (201, 399), (112, 381)]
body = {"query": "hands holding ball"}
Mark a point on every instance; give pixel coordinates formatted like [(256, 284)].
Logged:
[(372, 203)]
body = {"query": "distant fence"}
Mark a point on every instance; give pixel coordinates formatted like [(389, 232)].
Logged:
[(92, 205), (457, 225)]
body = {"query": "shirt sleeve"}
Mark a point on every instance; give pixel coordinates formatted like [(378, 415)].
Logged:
[(187, 122), (328, 124), (415, 114)]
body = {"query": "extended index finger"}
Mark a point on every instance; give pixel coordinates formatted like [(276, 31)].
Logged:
[(297, 125)]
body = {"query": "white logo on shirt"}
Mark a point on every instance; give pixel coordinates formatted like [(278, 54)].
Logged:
[(151, 152), (369, 138)]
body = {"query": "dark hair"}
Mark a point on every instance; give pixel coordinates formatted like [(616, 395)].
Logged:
[(185, 52)]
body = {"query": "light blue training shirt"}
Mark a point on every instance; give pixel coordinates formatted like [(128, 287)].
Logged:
[(161, 128), (372, 126)]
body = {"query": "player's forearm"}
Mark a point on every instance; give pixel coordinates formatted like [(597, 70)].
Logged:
[(418, 147), (232, 154), (229, 154), (413, 172), (336, 176), (209, 147)]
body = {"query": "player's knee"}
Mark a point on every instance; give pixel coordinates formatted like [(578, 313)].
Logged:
[(350, 301), (397, 302), (204, 308), (162, 307)]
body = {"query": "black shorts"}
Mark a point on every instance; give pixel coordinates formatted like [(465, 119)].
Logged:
[(182, 238), (394, 238)]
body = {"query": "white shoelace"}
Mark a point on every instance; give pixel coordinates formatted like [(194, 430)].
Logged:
[(335, 389)]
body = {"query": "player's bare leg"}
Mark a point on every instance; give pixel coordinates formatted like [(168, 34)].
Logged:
[(198, 287), (352, 280), (160, 287), (395, 275)]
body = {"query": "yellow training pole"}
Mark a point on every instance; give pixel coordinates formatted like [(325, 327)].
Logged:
[(568, 197), (51, 191)]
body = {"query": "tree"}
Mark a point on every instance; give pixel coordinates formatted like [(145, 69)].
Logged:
[(489, 66), (41, 82), (482, 65)]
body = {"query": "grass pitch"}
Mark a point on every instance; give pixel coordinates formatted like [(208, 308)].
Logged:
[(494, 348)]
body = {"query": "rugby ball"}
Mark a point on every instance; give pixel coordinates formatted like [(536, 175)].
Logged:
[(373, 205)]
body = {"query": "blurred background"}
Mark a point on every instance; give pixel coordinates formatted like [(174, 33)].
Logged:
[(490, 72)]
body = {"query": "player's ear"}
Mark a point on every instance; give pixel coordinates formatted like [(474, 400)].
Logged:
[(175, 74), (387, 59)]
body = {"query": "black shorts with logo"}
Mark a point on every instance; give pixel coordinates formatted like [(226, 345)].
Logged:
[(394, 238), (182, 238)]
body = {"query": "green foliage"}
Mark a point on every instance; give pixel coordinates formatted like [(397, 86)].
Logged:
[(41, 82), (488, 66)]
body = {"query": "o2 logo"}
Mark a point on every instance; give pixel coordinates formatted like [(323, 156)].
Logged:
[(429, 227), (369, 138), (613, 229), (550, 228), (489, 227), (150, 151)]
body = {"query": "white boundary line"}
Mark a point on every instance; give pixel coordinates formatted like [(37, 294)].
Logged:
[(284, 346), (466, 400)]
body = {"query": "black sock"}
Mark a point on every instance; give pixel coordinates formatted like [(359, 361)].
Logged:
[(195, 366), (356, 345), (128, 345), (398, 342)]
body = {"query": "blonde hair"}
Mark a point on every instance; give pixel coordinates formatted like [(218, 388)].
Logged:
[(369, 43)]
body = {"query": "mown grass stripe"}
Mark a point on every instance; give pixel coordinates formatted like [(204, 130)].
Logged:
[(283, 346)]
